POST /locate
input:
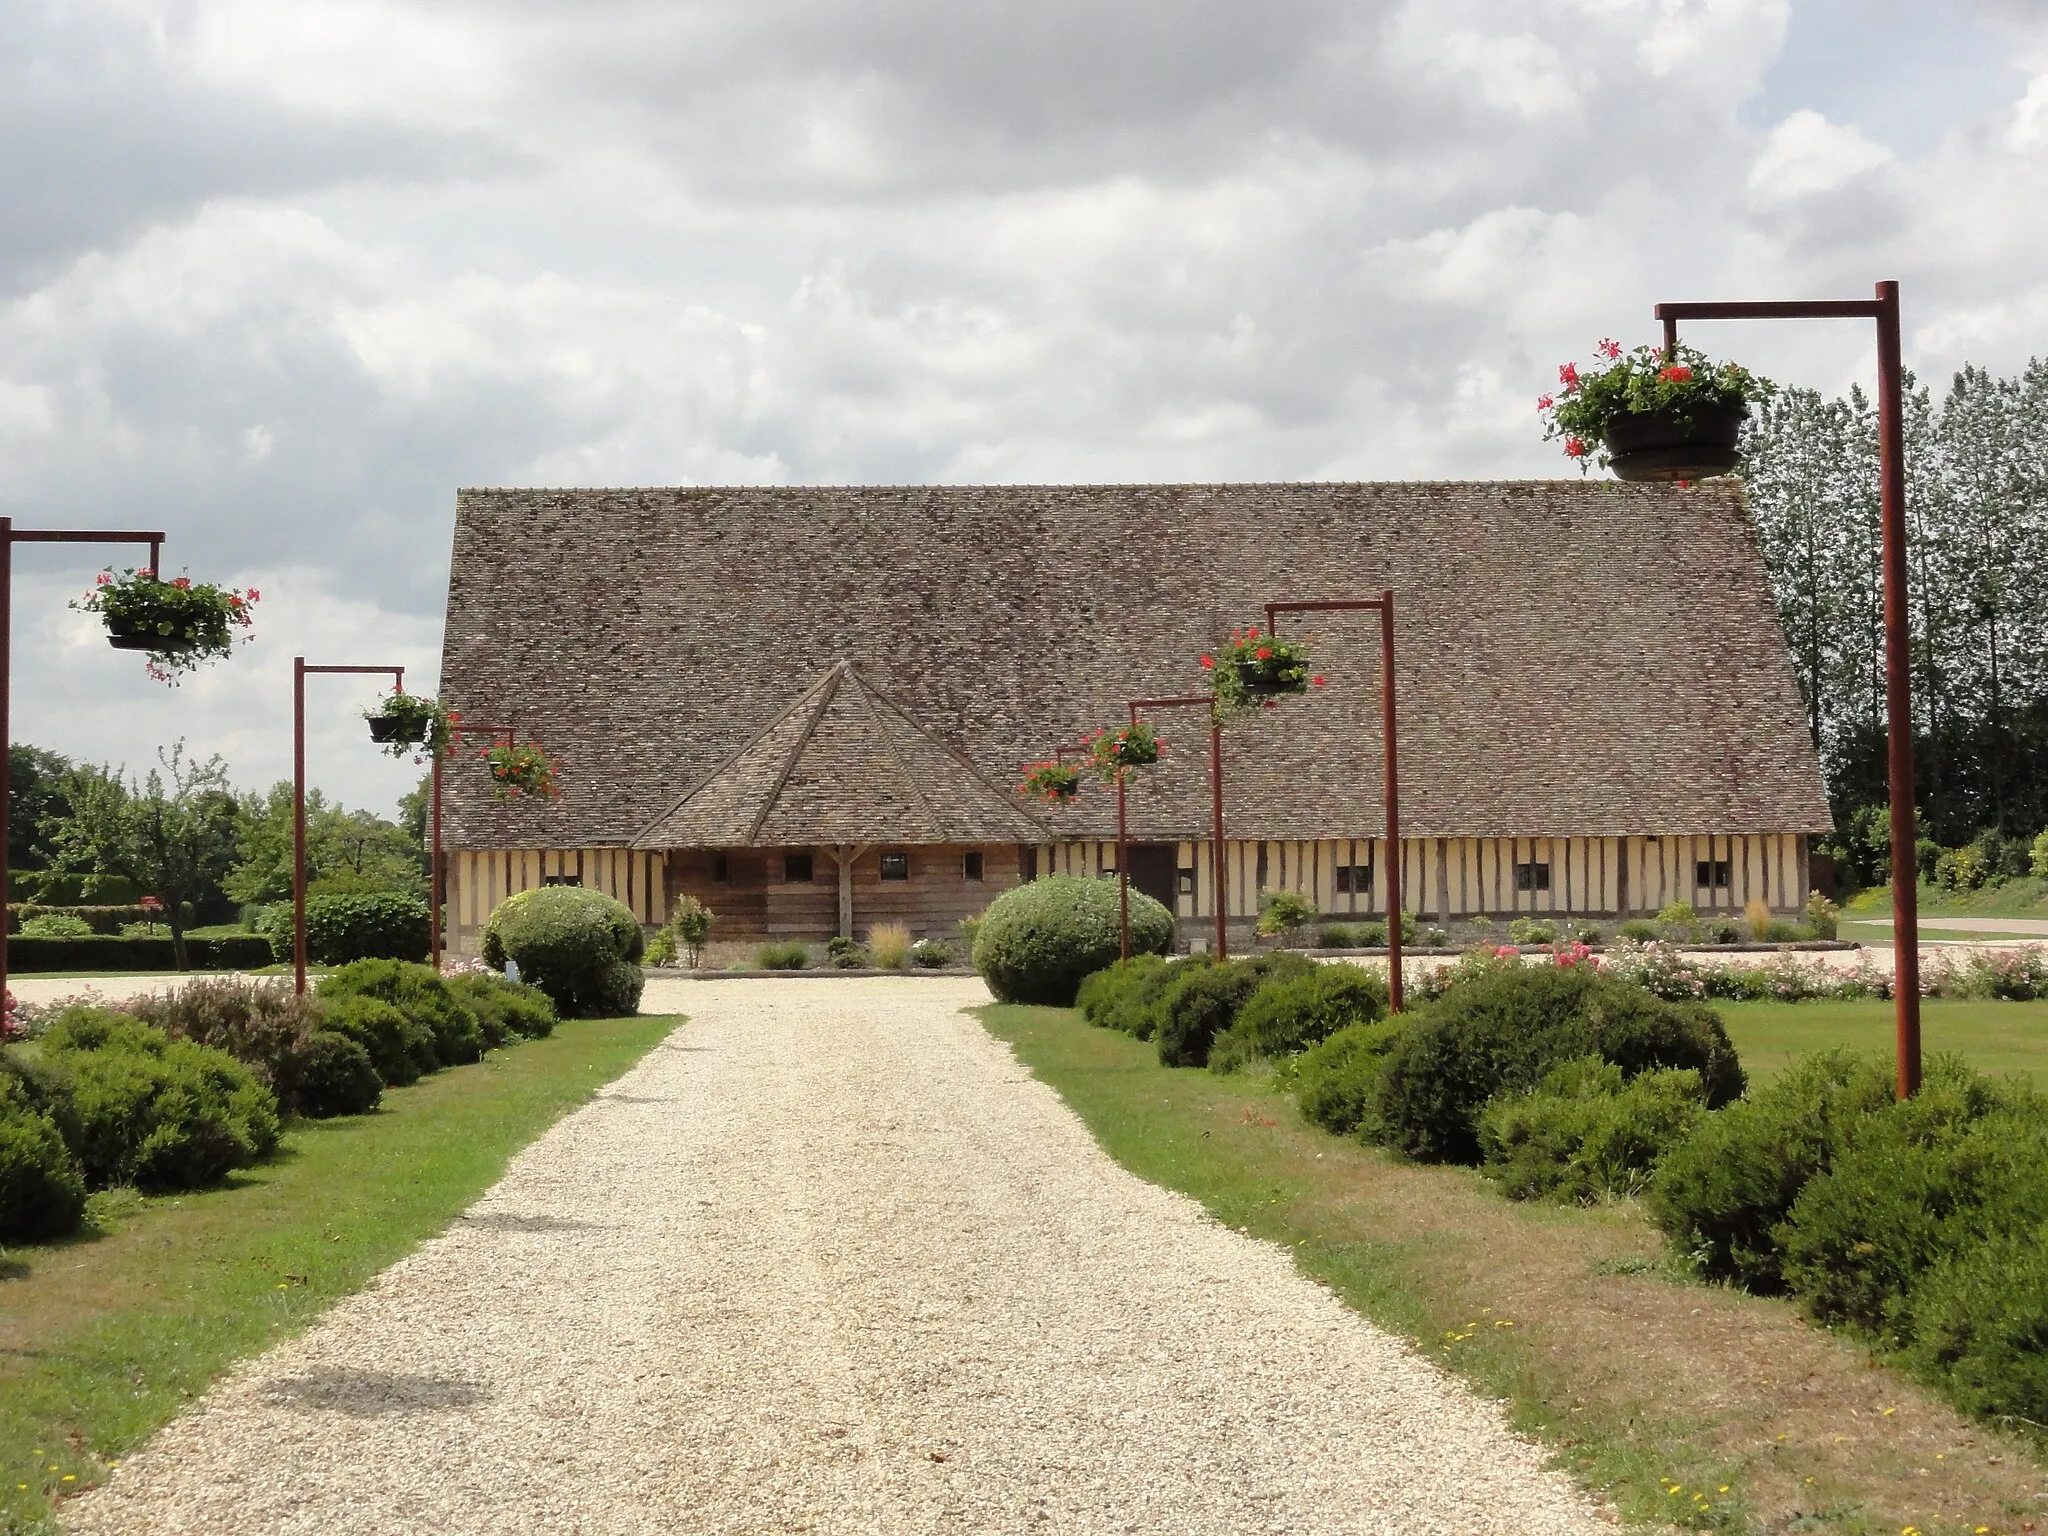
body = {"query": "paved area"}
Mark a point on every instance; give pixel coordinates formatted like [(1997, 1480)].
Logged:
[(829, 1260)]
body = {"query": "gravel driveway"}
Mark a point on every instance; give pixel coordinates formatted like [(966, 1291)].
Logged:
[(828, 1260)]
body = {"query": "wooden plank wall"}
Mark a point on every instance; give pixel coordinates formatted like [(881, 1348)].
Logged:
[(478, 879), (754, 902), (1453, 877)]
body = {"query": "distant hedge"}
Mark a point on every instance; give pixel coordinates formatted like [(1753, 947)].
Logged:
[(369, 925), (40, 885), (107, 920), (240, 952)]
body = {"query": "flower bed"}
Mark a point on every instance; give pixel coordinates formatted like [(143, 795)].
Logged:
[(1652, 415), (177, 623)]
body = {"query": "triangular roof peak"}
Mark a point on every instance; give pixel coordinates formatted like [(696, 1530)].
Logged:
[(845, 763)]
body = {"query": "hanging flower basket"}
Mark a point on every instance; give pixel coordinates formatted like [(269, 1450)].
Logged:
[(177, 623), (1649, 416), (1257, 668), (1112, 754), (519, 772), (404, 721), (1054, 782)]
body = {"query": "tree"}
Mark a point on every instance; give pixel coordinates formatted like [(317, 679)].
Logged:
[(176, 842), (35, 795), (346, 851)]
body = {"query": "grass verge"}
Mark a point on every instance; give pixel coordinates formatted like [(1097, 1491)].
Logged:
[(1998, 1038), (2026, 896), (106, 1336), (1641, 1381)]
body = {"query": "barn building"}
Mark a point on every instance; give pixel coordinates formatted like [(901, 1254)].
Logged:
[(807, 706)]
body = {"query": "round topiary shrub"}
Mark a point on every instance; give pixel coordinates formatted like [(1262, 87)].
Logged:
[(419, 993), (366, 925), (336, 1077), (578, 946), (1038, 941), (42, 1189), (400, 1050)]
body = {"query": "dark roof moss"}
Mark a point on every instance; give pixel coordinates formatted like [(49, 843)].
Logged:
[(1574, 658)]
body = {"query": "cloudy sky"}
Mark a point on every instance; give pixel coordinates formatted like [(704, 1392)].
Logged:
[(279, 278)]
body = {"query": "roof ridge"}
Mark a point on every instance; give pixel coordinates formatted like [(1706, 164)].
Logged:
[(829, 691), (960, 759)]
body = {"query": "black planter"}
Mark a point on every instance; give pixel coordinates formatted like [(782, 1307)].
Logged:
[(388, 729), (128, 637), (1258, 682), (1662, 447)]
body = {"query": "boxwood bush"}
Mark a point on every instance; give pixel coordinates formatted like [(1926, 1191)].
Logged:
[(1586, 1132), (336, 1077), (42, 1188), (400, 1050), (1288, 1016), (138, 1107), (1337, 1082), (1980, 1323), (1503, 1030), (1038, 941), (1120, 996), (419, 993), (578, 946), (1201, 1002), (506, 1009), (365, 925)]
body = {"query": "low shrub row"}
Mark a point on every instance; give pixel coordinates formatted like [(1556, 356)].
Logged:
[(183, 1087), (1919, 1224), (97, 919), (367, 925), (235, 952), (1226, 1014)]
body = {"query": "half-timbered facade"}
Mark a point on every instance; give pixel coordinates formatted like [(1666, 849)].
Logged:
[(807, 706)]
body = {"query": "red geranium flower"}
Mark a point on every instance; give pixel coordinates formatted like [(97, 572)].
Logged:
[(1544, 402), (1318, 680), (1209, 662), (1677, 373), (1609, 348), (1263, 653), (1568, 376), (1576, 447)]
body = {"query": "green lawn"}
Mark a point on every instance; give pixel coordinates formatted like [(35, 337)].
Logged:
[(2027, 897), (1997, 1037), (105, 1337)]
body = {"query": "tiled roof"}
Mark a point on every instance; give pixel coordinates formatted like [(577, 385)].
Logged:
[(843, 765), (1574, 658)]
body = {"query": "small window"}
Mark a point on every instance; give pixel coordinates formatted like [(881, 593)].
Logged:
[(1354, 879), (970, 864), (797, 868), (1532, 877), (1711, 874), (1027, 862), (1186, 883), (720, 872), (895, 866), (561, 879)]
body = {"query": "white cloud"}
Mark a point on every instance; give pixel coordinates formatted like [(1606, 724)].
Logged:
[(1806, 154)]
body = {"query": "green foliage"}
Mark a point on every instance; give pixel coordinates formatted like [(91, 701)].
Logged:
[(1979, 1323), (1529, 930), (1679, 923), (235, 953), (1337, 1082), (421, 995), (1112, 754), (265, 1025), (425, 725), (1822, 915), (686, 932), (1200, 1002), (662, 948), (151, 1111), (35, 795), (844, 954), (1120, 995), (1281, 667), (382, 925), (1337, 936), (111, 918), (194, 621), (42, 1189), (2037, 857), (55, 925), (1284, 912), (347, 852), (506, 1010), (1037, 941), (1586, 1132), (785, 955), (1722, 1191), (1642, 930), (172, 833), (931, 954), (579, 946), (400, 1050), (1288, 1016), (1503, 1030), (336, 1078)]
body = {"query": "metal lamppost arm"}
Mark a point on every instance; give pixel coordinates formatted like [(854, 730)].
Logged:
[(456, 733), (1217, 864), (9, 537), (1891, 465), (1384, 606), (299, 672)]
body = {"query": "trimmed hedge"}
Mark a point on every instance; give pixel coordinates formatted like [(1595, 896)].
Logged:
[(418, 993), (1037, 942), (400, 1050), (1337, 1083), (238, 952), (1202, 1002), (336, 1077), (42, 1188), (579, 946), (1290, 1015), (1586, 1132), (368, 925), (102, 919), (1121, 996), (505, 1009)]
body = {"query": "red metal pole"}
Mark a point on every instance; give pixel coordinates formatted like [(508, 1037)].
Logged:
[(1218, 863), (6, 728), (299, 824), (1898, 682), (434, 863), (1123, 866), (1393, 772)]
